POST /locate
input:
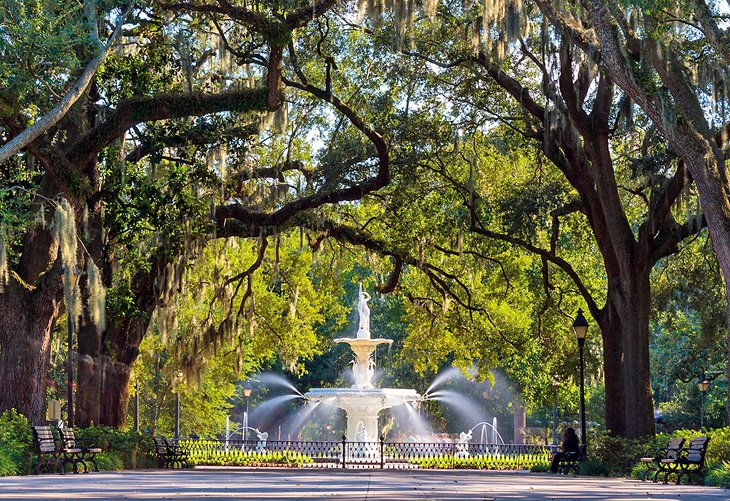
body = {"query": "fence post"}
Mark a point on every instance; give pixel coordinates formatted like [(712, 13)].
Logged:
[(382, 456), (344, 451)]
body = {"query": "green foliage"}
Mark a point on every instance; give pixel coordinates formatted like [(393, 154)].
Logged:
[(595, 468), (121, 449), (719, 475), (638, 470), (8, 464), (110, 461), (617, 454), (486, 462), (39, 49), (16, 441), (204, 452)]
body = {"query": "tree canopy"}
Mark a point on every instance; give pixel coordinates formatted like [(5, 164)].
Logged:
[(492, 167)]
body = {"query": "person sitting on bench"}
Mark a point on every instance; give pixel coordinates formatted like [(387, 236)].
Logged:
[(570, 446)]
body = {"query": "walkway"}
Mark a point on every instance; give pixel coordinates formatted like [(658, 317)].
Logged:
[(371, 485)]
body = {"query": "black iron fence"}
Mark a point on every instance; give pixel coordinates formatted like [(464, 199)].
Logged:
[(380, 454)]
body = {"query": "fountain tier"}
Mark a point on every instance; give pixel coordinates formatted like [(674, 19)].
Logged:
[(362, 406), (362, 402)]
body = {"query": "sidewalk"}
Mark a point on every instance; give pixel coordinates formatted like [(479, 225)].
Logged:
[(371, 485)]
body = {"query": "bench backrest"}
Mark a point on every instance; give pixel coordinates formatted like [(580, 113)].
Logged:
[(696, 450), (44, 439), (160, 444), (674, 446), (68, 436)]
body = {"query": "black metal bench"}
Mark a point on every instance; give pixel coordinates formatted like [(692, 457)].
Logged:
[(170, 454), (47, 448), (79, 451), (571, 460), (652, 458), (689, 462)]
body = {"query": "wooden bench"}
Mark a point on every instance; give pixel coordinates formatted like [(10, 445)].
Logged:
[(571, 461), (170, 454), (79, 451), (691, 461), (652, 458), (47, 448)]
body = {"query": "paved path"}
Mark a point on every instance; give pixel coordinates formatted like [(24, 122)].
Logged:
[(371, 485)]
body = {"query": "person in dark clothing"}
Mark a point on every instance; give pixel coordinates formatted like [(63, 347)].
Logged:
[(570, 444)]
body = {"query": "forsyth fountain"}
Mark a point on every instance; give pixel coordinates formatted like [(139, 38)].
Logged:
[(362, 402)]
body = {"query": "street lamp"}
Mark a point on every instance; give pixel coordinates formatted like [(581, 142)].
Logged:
[(69, 278), (580, 327), (703, 386), (247, 390)]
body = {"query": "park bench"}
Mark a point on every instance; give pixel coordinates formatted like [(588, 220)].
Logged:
[(47, 448), (653, 457), (571, 461), (80, 452), (689, 462), (170, 454)]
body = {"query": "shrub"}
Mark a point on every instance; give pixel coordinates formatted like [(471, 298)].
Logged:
[(8, 464), (109, 461), (718, 450), (595, 468), (15, 442), (719, 475), (638, 470), (204, 452), (130, 449), (487, 462), (618, 454)]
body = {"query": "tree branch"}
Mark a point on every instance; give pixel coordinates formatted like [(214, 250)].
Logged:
[(59, 111)]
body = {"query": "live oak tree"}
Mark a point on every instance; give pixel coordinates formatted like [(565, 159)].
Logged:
[(78, 164), (575, 116), (670, 59)]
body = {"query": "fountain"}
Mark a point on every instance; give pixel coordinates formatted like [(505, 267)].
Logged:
[(362, 402)]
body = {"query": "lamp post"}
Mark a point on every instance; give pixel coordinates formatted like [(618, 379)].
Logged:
[(556, 386), (69, 278), (247, 390), (703, 385), (580, 327)]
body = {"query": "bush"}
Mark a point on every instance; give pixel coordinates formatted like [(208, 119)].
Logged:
[(595, 468), (16, 440), (618, 454), (8, 465), (109, 461), (719, 475), (638, 471), (718, 450), (129, 449)]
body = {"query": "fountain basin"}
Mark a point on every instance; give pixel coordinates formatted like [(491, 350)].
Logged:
[(362, 406)]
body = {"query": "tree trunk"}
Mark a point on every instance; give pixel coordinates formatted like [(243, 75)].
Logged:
[(613, 370), (90, 375), (26, 321)]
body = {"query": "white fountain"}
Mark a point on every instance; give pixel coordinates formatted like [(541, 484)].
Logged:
[(362, 402)]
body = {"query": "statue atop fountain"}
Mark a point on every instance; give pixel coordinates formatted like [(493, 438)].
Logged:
[(363, 367), (363, 311), (362, 402)]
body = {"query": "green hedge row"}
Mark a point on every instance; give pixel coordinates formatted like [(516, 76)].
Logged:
[(121, 449)]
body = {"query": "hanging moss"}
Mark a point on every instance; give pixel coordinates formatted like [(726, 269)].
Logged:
[(64, 231), (97, 295), (3, 261)]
